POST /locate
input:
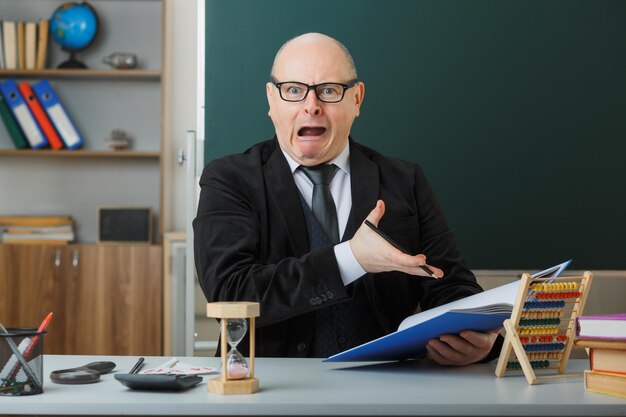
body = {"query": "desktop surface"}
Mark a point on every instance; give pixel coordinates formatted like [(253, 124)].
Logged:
[(310, 387)]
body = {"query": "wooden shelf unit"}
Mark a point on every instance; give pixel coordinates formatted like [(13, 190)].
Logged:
[(107, 299), (98, 100), (48, 153), (77, 74)]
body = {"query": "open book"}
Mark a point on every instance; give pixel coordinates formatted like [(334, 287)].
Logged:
[(483, 311)]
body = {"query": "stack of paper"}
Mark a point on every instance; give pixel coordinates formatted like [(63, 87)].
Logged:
[(175, 367), (37, 229)]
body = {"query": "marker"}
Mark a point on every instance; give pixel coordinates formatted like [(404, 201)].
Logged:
[(397, 246), (33, 343)]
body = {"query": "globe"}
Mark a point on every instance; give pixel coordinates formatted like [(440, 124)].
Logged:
[(74, 26)]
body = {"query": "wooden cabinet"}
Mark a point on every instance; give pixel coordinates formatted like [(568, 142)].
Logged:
[(30, 284), (106, 299)]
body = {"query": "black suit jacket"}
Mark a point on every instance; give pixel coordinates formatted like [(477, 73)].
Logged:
[(251, 244)]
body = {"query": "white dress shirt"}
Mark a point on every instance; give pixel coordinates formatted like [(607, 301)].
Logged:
[(341, 191)]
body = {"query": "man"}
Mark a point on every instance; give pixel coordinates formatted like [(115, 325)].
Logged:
[(283, 223)]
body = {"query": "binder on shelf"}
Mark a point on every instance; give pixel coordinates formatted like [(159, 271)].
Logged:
[(24, 118), (30, 48), (11, 124), (45, 125), (42, 44), (21, 58), (10, 44), (59, 117)]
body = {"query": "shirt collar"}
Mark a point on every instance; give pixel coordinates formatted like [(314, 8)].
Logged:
[(342, 160)]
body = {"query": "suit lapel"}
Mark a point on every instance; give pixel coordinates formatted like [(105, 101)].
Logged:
[(284, 194), (365, 184)]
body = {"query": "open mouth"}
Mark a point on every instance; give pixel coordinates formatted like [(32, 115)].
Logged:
[(311, 131)]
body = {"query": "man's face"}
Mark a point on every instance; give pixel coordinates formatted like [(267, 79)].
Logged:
[(311, 131)]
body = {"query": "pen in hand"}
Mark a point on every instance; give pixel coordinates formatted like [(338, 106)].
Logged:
[(137, 366), (397, 246)]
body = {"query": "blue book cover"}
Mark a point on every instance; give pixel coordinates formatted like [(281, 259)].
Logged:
[(483, 311), (57, 114)]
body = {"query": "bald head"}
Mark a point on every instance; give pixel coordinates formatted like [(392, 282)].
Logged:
[(316, 41)]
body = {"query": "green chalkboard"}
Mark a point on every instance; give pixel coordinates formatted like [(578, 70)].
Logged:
[(515, 109)]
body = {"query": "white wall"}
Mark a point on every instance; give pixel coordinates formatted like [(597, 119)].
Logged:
[(179, 104), (180, 95)]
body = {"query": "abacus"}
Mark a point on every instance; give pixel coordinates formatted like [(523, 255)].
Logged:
[(540, 332)]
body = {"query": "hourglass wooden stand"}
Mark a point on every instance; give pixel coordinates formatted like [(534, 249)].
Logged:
[(234, 310)]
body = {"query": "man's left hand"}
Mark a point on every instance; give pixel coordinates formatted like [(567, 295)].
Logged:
[(457, 350)]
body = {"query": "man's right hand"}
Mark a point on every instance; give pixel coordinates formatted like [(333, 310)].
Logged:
[(375, 254)]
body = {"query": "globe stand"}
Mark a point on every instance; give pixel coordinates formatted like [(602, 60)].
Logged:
[(235, 311), (72, 62)]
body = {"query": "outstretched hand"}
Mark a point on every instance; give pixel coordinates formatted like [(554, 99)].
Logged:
[(375, 254)]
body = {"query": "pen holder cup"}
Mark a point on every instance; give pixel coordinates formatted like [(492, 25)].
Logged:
[(21, 362)]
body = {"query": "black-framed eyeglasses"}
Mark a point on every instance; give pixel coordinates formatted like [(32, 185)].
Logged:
[(294, 91)]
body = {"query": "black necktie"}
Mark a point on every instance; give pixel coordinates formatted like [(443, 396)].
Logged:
[(323, 205)]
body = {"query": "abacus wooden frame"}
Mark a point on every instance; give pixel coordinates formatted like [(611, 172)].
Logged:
[(512, 326)]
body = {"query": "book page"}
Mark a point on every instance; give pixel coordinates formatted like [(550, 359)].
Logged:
[(495, 300)]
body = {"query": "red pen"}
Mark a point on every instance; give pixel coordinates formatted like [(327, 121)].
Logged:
[(32, 344)]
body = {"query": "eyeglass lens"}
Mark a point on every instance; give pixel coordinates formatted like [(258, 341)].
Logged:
[(328, 92)]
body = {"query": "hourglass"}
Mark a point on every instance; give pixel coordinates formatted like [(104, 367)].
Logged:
[(236, 365), (236, 377)]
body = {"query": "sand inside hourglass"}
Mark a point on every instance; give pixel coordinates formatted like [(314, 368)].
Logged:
[(236, 365)]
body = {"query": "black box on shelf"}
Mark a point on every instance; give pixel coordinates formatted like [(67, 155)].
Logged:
[(124, 225)]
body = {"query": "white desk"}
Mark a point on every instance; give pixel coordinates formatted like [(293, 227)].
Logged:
[(309, 387)]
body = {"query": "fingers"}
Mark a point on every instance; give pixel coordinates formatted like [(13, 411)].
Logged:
[(376, 252), (417, 270), (437, 273), (445, 353), (377, 214), (475, 338), (434, 355), (463, 349), (413, 265)]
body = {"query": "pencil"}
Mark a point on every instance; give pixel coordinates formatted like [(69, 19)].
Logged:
[(396, 245), (137, 366)]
